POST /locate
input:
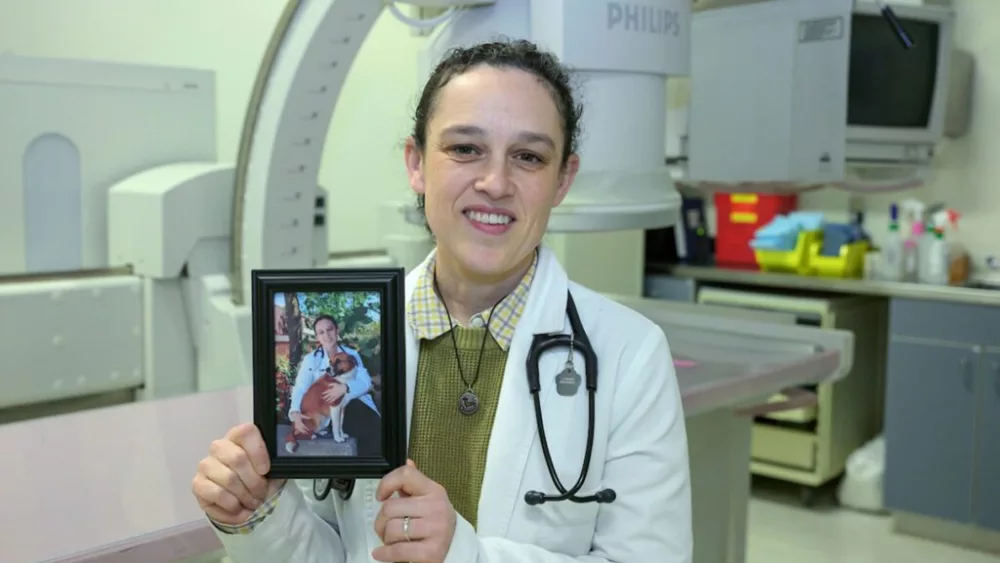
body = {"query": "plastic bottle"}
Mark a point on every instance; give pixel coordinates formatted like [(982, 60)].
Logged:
[(936, 265), (938, 253), (912, 252), (891, 261), (912, 246)]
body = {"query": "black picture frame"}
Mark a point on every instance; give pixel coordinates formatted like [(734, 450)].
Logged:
[(312, 286)]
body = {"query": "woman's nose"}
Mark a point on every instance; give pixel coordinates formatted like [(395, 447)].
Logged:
[(495, 181)]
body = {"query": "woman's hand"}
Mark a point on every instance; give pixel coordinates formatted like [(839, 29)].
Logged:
[(298, 426), (230, 483), (335, 391), (432, 518)]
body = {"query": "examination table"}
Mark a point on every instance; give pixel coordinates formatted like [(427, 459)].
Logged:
[(114, 485)]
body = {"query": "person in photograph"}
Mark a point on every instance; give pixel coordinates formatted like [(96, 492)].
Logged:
[(361, 417)]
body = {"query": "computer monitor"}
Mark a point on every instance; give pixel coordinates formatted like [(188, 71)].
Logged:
[(798, 91), (897, 97)]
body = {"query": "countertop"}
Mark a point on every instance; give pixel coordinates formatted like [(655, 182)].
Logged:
[(114, 484), (956, 294)]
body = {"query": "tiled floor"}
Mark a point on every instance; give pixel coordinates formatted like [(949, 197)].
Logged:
[(782, 531)]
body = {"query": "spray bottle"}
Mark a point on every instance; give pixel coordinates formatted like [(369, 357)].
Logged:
[(935, 266), (914, 211), (891, 261)]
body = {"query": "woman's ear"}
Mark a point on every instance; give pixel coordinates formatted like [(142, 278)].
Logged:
[(414, 160), (566, 178)]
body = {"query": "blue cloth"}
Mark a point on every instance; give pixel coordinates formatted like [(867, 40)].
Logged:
[(792, 223), (782, 232), (836, 235), (781, 242), (779, 227), (807, 220)]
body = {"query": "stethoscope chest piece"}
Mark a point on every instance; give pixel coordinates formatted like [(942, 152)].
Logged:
[(568, 380), (322, 488)]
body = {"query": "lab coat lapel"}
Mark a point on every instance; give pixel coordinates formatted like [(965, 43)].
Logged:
[(412, 351), (412, 346), (514, 429)]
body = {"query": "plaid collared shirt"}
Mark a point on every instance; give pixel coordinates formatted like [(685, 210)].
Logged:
[(428, 319)]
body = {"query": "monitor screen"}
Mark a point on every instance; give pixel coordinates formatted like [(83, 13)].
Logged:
[(890, 86)]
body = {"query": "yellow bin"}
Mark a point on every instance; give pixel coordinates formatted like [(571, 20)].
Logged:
[(795, 261), (849, 264)]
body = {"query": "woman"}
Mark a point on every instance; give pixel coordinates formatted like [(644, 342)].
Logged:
[(493, 150), (361, 418)]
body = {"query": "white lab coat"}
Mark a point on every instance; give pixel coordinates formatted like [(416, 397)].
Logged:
[(640, 450)]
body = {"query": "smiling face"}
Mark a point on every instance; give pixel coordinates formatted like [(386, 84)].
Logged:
[(326, 333), (492, 169)]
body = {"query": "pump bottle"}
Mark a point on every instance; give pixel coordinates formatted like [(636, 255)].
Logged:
[(892, 250)]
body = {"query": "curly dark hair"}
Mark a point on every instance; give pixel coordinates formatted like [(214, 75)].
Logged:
[(503, 53), (325, 317)]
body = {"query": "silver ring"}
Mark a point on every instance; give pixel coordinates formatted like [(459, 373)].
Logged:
[(406, 528)]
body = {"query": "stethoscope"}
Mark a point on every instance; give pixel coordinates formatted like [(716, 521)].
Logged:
[(567, 383)]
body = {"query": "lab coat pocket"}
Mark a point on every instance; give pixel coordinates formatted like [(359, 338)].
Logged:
[(563, 513), (567, 450), (562, 527)]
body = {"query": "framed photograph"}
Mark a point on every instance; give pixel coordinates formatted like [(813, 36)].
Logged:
[(329, 371)]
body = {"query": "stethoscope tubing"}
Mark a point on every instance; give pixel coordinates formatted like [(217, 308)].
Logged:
[(570, 494)]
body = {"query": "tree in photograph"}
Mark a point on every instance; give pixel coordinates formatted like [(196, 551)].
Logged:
[(293, 328)]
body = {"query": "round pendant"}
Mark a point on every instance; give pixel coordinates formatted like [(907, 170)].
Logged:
[(468, 403)]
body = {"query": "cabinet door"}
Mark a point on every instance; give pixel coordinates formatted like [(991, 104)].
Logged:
[(987, 497), (929, 430)]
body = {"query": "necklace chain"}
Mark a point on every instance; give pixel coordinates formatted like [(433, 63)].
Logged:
[(458, 360)]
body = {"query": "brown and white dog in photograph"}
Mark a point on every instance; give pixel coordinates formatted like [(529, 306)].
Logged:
[(343, 368)]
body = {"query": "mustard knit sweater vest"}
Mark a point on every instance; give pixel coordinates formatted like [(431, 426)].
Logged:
[(446, 445)]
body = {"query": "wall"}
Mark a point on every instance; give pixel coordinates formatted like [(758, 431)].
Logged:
[(966, 175), (363, 160)]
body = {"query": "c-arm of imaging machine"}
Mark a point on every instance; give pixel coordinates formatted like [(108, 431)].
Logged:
[(620, 186), (189, 233)]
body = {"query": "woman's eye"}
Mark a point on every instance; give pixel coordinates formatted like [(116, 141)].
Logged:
[(464, 150), (530, 158)]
